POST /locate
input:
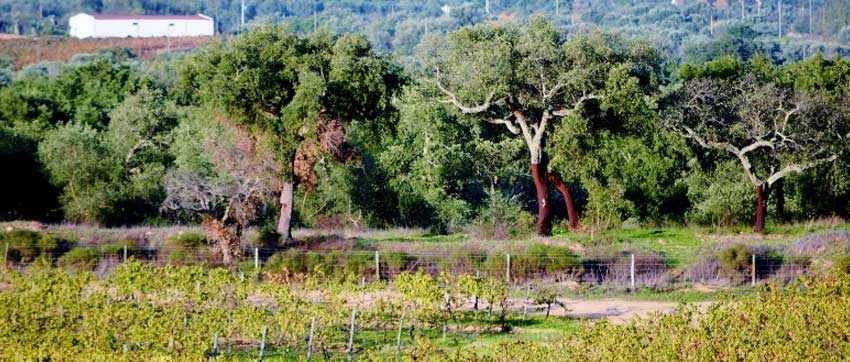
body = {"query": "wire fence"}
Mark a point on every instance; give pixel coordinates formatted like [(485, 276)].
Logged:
[(635, 270)]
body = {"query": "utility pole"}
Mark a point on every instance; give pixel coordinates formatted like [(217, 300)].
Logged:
[(217, 19), (557, 8), (487, 7), (811, 24), (242, 22), (780, 18), (743, 16)]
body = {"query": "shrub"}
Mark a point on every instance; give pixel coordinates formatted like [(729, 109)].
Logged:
[(182, 249), (842, 264), (463, 261), (79, 259), (360, 265), (180, 257), (117, 248), (502, 218), (537, 260), (267, 237), (722, 197), (187, 240), (735, 259), (395, 261), (28, 245)]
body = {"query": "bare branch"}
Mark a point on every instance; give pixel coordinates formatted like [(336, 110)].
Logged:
[(756, 145), (508, 123), (452, 98), (725, 146), (523, 125), (562, 112), (792, 168)]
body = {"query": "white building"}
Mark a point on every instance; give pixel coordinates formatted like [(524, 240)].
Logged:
[(139, 26)]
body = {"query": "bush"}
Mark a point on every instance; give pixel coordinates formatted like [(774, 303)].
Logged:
[(463, 261), (537, 260), (182, 249), (842, 264), (117, 248), (187, 240), (267, 237), (27, 245), (79, 259), (502, 218), (722, 197), (735, 259), (180, 257)]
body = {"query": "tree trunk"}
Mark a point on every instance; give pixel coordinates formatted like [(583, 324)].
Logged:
[(287, 199), (779, 191), (544, 220), (762, 193), (572, 214)]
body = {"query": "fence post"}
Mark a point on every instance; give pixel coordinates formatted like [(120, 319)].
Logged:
[(125, 253), (263, 344), (351, 336), (527, 300), (377, 266), (310, 339), (6, 254), (446, 321), (508, 269), (256, 258), (215, 347), (754, 270), (632, 271), (398, 336)]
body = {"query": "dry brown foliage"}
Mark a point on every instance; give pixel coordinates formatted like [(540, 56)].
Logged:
[(331, 141)]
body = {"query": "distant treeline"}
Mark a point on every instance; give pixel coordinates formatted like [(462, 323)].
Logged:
[(399, 25)]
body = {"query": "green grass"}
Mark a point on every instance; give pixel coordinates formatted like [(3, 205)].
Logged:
[(680, 244)]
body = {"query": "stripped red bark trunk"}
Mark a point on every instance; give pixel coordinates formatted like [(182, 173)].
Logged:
[(541, 185), (572, 213), (762, 194)]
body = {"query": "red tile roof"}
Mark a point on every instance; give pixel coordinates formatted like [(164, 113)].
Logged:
[(148, 17)]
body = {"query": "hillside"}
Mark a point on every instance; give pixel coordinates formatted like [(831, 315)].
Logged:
[(23, 51)]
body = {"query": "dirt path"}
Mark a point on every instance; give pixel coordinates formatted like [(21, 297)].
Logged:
[(615, 310)]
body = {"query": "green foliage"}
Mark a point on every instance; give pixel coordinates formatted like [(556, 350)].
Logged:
[(28, 245), (184, 249), (187, 240), (842, 264), (547, 295), (113, 175), (267, 236), (794, 323), (81, 258), (735, 259), (538, 260), (721, 197), (502, 218), (606, 205)]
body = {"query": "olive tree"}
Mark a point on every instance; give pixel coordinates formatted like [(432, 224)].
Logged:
[(528, 78)]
